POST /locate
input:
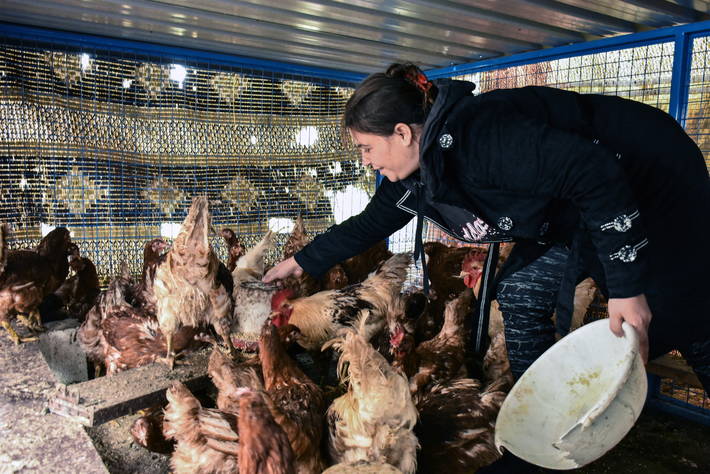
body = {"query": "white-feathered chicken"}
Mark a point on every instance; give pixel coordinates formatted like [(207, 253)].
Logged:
[(187, 290), (375, 418), (250, 267), (252, 299)]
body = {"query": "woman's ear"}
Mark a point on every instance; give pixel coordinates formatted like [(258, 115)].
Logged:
[(404, 132)]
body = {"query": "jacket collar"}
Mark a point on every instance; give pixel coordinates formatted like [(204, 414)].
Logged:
[(449, 94), (431, 167)]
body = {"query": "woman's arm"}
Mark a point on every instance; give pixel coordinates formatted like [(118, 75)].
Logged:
[(377, 221)]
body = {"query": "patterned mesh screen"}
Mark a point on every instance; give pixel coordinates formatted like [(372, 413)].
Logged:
[(115, 146)]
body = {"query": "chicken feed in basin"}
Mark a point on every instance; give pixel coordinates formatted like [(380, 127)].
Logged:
[(577, 401)]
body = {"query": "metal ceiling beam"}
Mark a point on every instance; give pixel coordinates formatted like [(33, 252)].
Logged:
[(361, 36), (182, 18), (255, 49), (679, 13), (573, 18), (278, 13), (472, 19), (297, 44), (395, 23), (639, 12)]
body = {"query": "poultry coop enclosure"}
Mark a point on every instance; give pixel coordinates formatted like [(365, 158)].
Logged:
[(112, 139)]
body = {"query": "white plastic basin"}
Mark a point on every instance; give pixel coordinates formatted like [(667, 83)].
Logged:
[(577, 401)]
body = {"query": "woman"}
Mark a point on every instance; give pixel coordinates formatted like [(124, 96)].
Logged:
[(585, 184)]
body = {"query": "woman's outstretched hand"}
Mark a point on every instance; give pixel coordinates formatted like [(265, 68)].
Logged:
[(284, 269), (634, 311)]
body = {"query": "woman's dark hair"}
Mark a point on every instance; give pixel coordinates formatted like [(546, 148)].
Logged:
[(401, 94)]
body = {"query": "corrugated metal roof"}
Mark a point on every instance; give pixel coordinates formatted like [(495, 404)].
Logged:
[(360, 36)]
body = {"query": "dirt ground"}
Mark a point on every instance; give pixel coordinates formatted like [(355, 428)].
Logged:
[(658, 444), (121, 455)]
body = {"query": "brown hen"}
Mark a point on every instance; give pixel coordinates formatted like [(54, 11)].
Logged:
[(229, 376), (375, 418), (111, 300), (130, 338), (359, 267), (442, 358), (153, 255), (77, 294), (186, 287), (444, 267), (456, 426), (304, 284), (296, 402), (457, 417), (147, 431), (263, 446), (206, 439), (319, 316), (28, 276), (235, 250)]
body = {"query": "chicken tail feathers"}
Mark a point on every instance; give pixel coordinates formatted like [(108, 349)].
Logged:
[(251, 265), (267, 242), (392, 273), (181, 420)]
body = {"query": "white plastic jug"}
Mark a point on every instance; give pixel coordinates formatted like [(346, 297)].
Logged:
[(577, 401)]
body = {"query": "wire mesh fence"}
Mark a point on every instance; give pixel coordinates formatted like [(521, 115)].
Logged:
[(697, 110)]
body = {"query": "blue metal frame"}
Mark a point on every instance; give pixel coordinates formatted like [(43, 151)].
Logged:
[(607, 44), (682, 57), (656, 400), (141, 48)]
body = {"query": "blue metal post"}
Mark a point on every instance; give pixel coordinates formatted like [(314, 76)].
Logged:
[(680, 82)]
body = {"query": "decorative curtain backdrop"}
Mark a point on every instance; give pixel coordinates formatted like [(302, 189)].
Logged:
[(115, 147)]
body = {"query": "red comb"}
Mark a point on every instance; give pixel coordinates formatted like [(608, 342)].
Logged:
[(279, 297)]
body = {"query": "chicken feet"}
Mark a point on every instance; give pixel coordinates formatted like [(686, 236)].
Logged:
[(33, 322), (16, 337)]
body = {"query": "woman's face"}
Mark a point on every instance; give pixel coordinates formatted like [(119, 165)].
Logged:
[(395, 156)]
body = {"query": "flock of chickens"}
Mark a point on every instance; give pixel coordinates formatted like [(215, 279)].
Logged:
[(409, 394)]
